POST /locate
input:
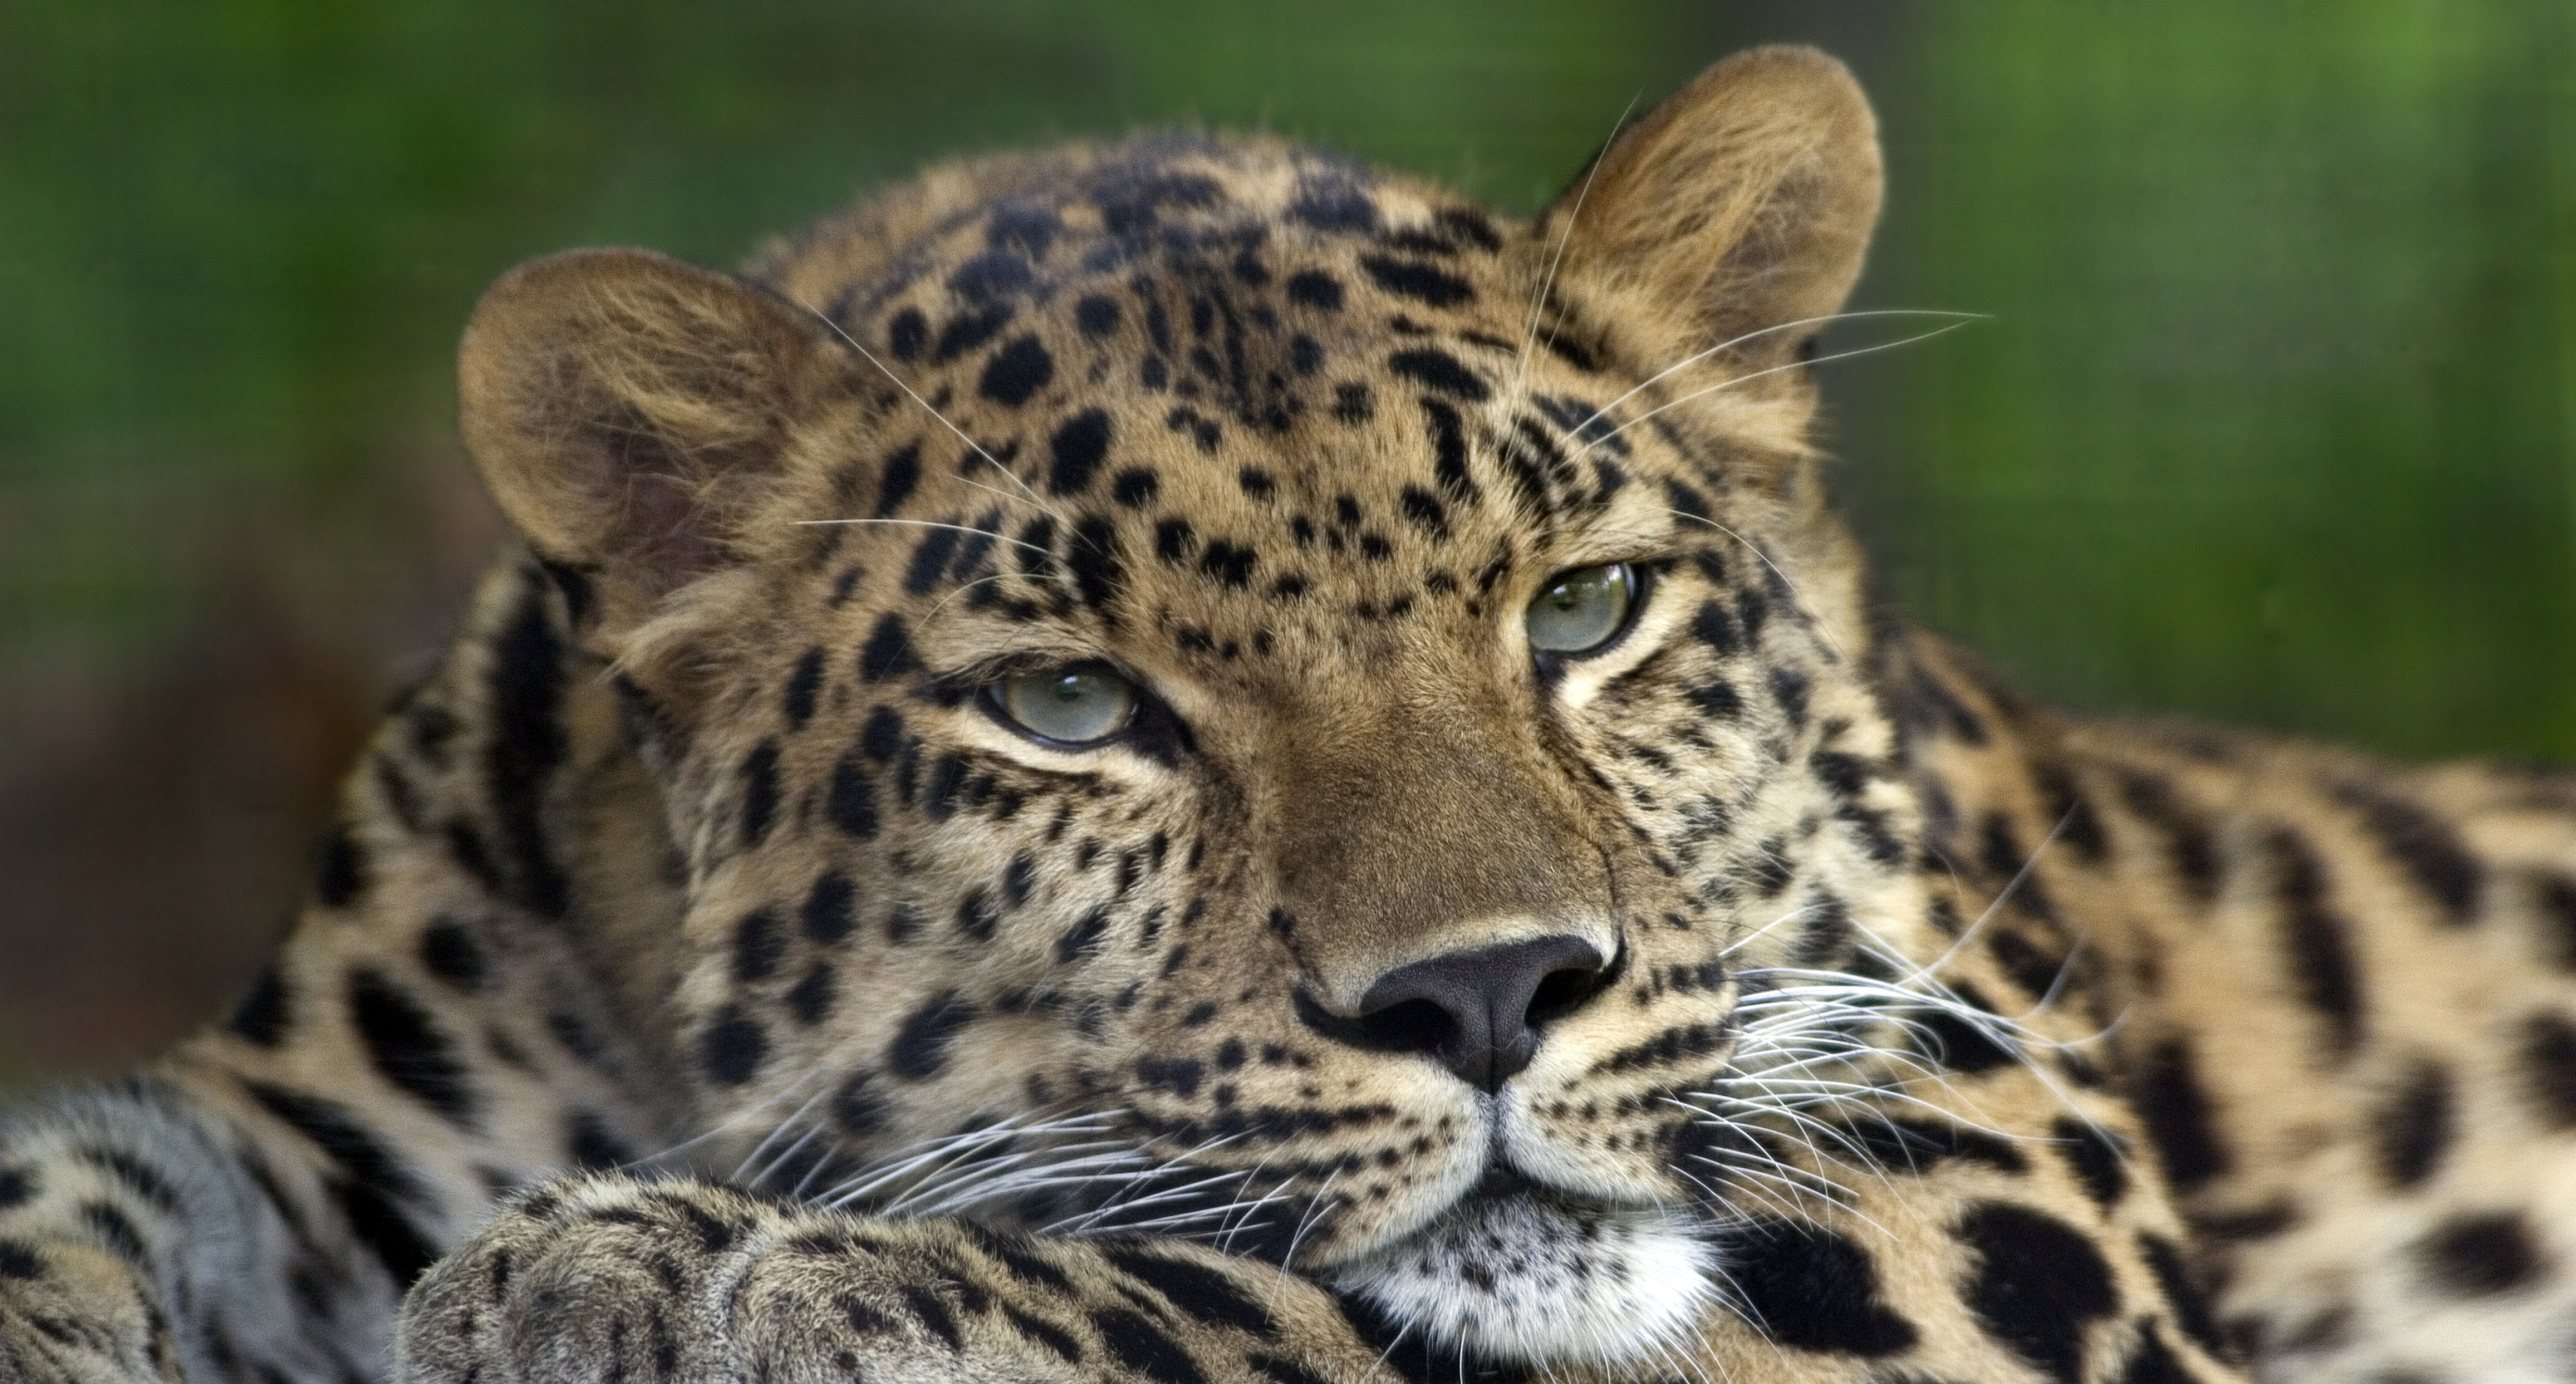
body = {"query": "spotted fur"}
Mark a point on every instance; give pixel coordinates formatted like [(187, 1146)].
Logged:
[(704, 979)]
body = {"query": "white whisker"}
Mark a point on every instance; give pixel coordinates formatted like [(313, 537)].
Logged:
[(899, 383)]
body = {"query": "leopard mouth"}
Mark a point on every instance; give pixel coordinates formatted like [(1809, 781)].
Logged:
[(1520, 1273)]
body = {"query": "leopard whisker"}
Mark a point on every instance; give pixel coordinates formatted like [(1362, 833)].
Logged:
[(1774, 370), (900, 383), (1556, 258), (930, 524), (1689, 361)]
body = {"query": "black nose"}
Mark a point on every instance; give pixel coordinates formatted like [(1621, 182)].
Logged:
[(1480, 1011)]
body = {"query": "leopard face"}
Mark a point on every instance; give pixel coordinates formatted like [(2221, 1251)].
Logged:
[(1201, 687)]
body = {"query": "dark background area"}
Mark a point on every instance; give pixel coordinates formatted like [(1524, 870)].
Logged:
[(2274, 419)]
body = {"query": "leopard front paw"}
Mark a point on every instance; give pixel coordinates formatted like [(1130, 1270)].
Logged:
[(602, 1278)]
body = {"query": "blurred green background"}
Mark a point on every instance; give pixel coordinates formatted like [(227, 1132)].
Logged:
[(2274, 421)]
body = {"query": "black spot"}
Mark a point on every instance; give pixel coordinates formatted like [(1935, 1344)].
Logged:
[(591, 1145), (932, 1312), (371, 1179), (2150, 1362), (1196, 1290), (1045, 1333), (812, 997), (831, 908), (2037, 1285), (2187, 840), (1449, 452), (1919, 1146), (2426, 847), (1790, 688), (17, 1188), (449, 952), (1142, 1347), (2411, 1130), (1255, 482), (124, 1239), (1096, 315), (759, 792), (992, 275), (2182, 1292), (857, 1108), (965, 333), (261, 1016), (19, 1260), (527, 745), (2480, 1255), (1713, 626), (1315, 289), (1228, 563), (134, 1175), (1076, 450), (2319, 960), (902, 472), (976, 915), (803, 681), (920, 1048), (2549, 1067), (1016, 372), (341, 874), (888, 652), (852, 800), (1093, 559), (1351, 403), (1421, 282), (882, 737), (930, 558), (1808, 1287), (1962, 1046), (1178, 1075), (2074, 823), (1135, 487), (732, 1048), (407, 1049), (1717, 699), (2097, 1157), (907, 334), (2554, 898), (1439, 370), (1083, 937), (759, 944), (2170, 1099)]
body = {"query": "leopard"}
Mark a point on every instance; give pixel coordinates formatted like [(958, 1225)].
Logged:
[(1179, 760)]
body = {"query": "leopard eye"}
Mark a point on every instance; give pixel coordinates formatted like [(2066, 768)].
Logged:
[(1071, 706), (1581, 610)]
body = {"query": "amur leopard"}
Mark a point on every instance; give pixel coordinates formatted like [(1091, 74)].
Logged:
[(1180, 760)]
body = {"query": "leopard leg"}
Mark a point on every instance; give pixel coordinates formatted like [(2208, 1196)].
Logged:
[(604, 1278)]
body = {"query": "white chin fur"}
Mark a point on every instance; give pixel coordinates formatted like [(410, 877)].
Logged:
[(1521, 1278)]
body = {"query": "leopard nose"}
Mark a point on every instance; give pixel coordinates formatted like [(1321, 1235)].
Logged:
[(1479, 1012)]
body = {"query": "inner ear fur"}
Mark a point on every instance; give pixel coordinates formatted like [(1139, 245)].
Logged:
[(629, 411), (1743, 202)]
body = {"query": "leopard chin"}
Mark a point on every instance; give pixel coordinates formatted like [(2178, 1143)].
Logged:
[(1519, 1274)]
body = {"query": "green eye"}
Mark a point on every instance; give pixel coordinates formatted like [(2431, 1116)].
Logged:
[(1581, 610), (1072, 706)]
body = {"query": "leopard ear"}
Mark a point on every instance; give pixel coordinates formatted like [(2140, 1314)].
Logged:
[(1742, 203), (628, 411)]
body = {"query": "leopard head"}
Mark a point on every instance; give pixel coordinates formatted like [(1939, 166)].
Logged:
[(1201, 687)]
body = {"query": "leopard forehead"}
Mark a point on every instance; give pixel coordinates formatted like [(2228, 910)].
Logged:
[(1232, 393)]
